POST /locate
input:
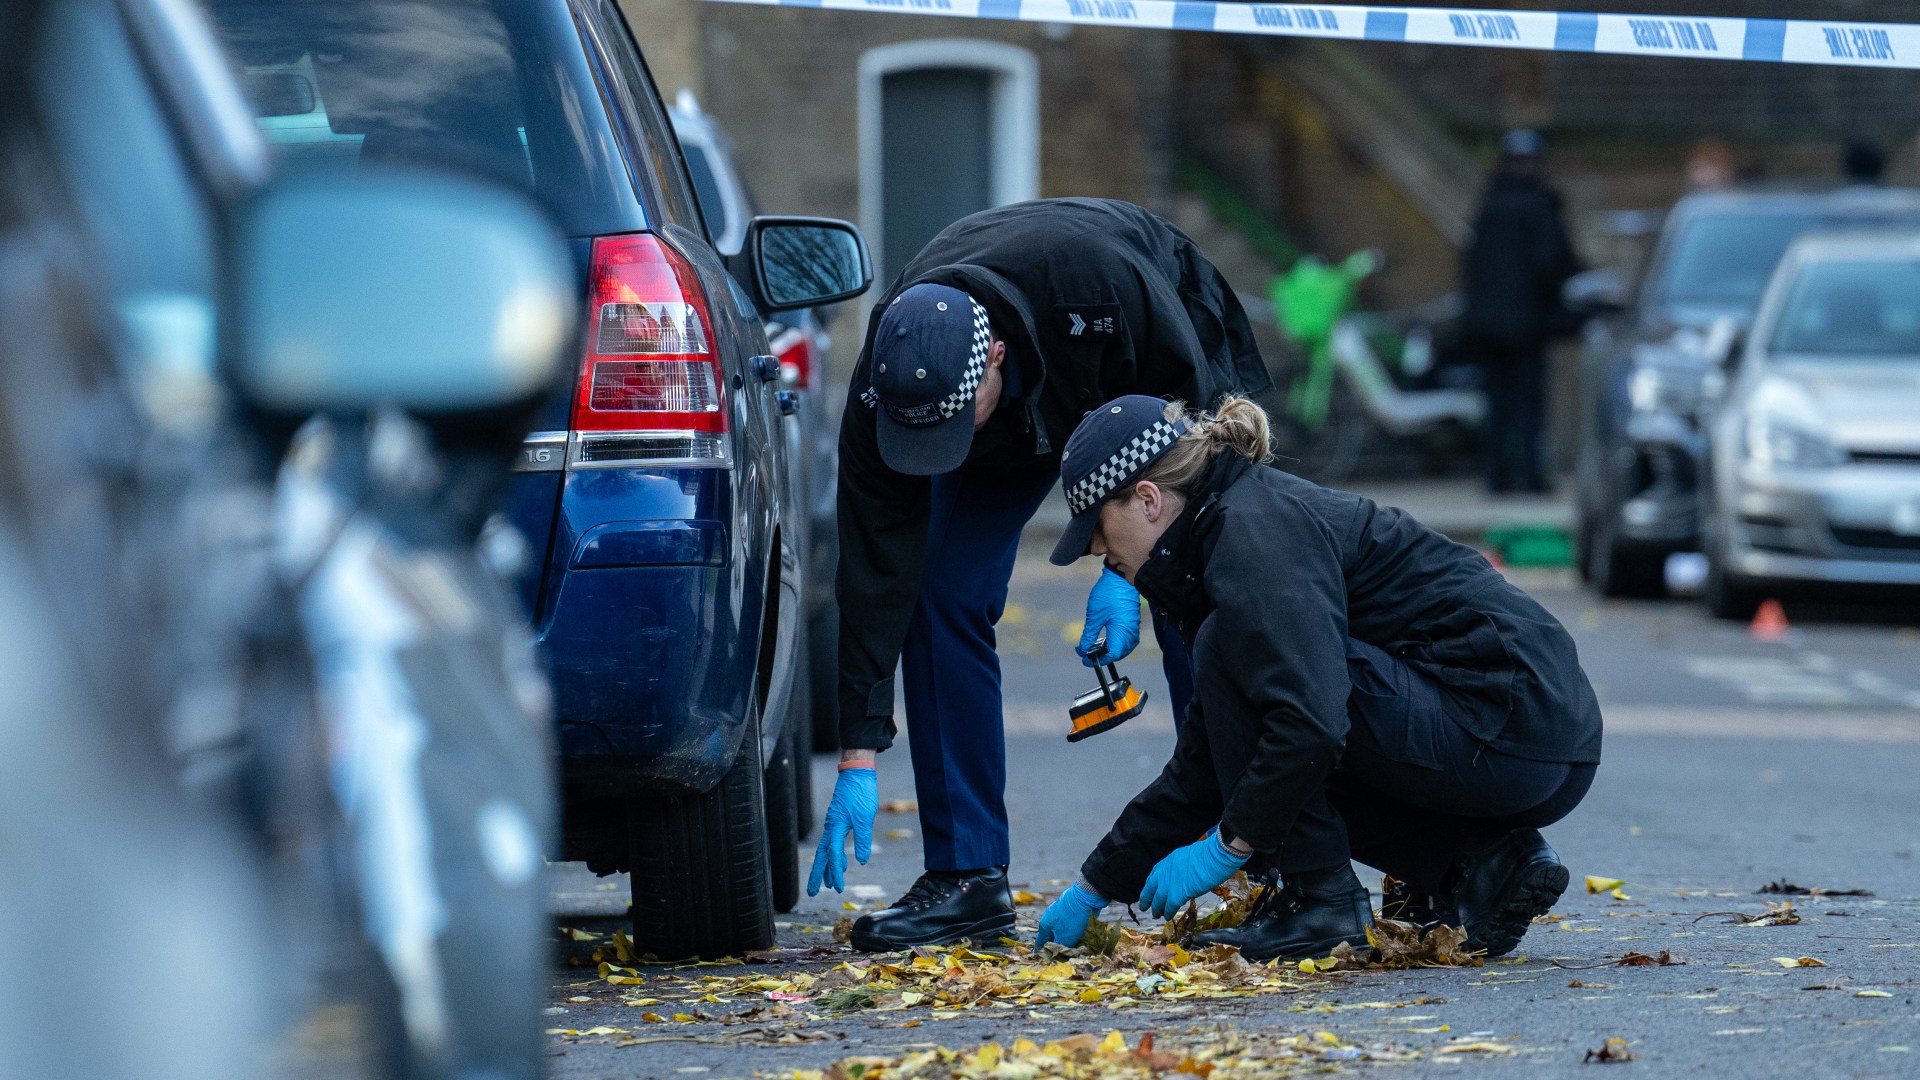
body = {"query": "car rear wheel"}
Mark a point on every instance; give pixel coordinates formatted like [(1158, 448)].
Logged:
[(699, 866), (1616, 569), (783, 816)]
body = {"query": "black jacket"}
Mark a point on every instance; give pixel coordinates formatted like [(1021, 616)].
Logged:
[(1268, 575), (1512, 270), (1096, 299)]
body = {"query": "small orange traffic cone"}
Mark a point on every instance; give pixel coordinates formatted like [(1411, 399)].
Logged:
[(1769, 623)]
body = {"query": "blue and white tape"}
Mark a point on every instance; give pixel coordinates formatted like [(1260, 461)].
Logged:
[(1791, 41)]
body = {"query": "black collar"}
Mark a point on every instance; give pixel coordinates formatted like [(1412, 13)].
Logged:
[(1174, 576)]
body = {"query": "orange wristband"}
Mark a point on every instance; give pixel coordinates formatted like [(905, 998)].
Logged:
[(845, 765)]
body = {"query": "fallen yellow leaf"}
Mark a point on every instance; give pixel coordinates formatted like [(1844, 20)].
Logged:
[(1477, 1048), (1113, 1043), (899, 834), (1872, 993), (1618, 894), (1090, 995), (1022, 897), (653, 1018), (1798, 961), (1602, 884), (579, 935)]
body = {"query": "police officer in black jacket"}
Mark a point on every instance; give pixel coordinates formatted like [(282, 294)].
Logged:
[(991, 345), (1365, 689)]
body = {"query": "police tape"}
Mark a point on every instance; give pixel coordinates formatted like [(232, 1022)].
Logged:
[(1791, 41)]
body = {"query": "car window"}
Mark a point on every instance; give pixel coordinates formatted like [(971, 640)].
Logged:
[(1727, 258), (482, 86), (1855, 308), (706, 187), (638, 100)]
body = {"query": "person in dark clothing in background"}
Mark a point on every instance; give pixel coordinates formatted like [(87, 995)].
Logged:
[(1511, 275), (1364, 689), (994, 341)]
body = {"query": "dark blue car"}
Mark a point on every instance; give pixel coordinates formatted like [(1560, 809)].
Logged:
[(664, 533)]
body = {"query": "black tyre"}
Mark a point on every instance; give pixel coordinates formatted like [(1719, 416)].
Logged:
[(699, 866), (1726, 595), (1616, 569), (783, 817)]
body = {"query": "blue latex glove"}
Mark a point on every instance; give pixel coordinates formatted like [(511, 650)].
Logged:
[(856, 799), (1113, 606), (1065, 920), (1188, 872)]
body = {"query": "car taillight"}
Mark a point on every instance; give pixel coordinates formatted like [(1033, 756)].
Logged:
[(651, 389), (795, 350)]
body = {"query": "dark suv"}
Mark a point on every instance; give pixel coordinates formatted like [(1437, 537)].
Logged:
[(663, 531), (1645, 372)]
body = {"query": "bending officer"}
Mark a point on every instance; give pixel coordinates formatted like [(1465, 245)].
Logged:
[(991, 345)]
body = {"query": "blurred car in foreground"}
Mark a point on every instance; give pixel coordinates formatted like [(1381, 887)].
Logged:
[(1816, 445), (665, 574), (799, 339), (309, 700), (1642, 440)]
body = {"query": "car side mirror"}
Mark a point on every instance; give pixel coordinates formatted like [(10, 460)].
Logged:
[(802, 262), (423, 291), (1726, 339), (1595, 292)]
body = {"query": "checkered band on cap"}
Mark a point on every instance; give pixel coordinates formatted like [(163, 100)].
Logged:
[(976, 364), (1125, 464)]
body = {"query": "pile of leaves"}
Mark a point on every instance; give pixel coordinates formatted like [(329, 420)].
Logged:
[(1086, 1057), (1396, 945), (1133, 968)]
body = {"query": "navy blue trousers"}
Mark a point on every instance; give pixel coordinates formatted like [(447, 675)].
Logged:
[(1414, 790), (950, 673)]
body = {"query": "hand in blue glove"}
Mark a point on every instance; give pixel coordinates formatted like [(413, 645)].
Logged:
[(856, 799), (1065, 920), (1188, 872), (1113, 606)]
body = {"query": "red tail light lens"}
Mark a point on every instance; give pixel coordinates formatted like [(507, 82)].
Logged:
[(651, 377), (795, 350)]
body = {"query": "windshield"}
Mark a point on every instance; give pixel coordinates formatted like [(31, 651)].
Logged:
[(1726, 259), (494, 88), (1852, 309)]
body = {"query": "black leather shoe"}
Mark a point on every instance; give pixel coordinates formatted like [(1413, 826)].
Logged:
[(940, 909), (1501, 890), (1312, 914)]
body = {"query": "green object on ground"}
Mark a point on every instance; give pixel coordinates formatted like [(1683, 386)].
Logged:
[(1531, 545)]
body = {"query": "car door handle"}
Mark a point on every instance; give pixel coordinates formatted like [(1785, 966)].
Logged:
[(767, 367), (788, 400)]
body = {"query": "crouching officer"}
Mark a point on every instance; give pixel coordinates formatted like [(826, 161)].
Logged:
[(1009, 327), (1365, 689)]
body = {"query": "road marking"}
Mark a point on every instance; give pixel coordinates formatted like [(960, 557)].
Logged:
[(1807, 678)]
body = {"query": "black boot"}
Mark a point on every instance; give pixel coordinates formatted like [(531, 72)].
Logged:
[(1312, 914), (942, 907), (1499, 891)]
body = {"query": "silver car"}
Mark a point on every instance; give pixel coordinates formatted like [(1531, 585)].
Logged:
[(1816, 443)]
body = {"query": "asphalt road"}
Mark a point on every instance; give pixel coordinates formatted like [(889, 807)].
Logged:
[(1730, 763)]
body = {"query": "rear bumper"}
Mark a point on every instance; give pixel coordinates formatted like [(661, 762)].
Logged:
[(646, 593)]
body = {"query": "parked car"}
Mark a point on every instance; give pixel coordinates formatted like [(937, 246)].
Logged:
[(800, 340), (1815, 457), (268, 462), (655, 494), (1642, 441)]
